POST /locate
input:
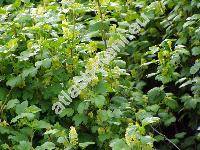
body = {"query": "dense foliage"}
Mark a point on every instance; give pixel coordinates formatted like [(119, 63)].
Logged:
[(150, 97)]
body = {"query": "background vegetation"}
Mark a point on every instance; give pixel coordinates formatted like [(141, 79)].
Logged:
[(155, 104)]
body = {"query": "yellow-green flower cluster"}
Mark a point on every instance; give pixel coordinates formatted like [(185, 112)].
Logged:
[(73, 136)]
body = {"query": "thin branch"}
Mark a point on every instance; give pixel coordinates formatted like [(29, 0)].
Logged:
[(102, 19), (4, 104), (32, 139), (74, 23), (166, 138)]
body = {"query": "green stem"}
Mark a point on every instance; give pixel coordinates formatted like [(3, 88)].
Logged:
[(73, 34), (102, 19), (32, 139), (4, 104)]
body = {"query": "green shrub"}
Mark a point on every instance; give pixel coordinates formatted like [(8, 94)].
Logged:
[(147, 97)]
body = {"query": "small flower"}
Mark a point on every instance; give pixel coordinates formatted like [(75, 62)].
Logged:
[(73, 136), (117, 72), (95, 80)]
